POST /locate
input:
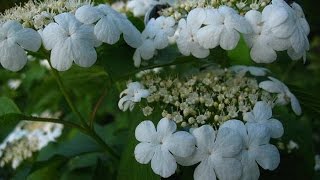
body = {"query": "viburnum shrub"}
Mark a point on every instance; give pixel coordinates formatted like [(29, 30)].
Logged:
[(169, 93)]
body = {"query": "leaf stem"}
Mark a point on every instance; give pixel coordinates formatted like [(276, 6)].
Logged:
[(63, 89), (88, 132), (96, 107)]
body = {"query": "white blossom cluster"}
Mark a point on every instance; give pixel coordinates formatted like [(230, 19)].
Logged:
[(210, 97), (233, 151), (71, 36), (38, 14), (276, 27), (28, 137)]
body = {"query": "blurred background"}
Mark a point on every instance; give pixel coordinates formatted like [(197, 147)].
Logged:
[(303, 79)]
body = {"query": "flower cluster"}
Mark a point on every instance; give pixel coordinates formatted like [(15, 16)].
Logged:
[(28, 137), (277, 27), (38, 14), (72, 33), (209, 97), (234, 151)]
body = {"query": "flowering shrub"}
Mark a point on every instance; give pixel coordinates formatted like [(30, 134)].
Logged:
[(150, 89)]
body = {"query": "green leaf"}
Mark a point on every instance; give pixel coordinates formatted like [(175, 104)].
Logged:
[(49, 170), (241, 54), (7, 106)]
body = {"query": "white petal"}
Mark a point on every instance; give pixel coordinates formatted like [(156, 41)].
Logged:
[(88, 14), (10, 27), (228, 142), (144, 152), (68, 22), (205, 137), (181, 144), (229, 39), (61, 55), (12, 56), (29, 39), (262, 53), (107, 31), (296, 40), (130, 33), (163, 163), (137, 58), (166, 127), (258, 71), (253, 17), (239, 23), (147, 50), (237, 126), (198, 51), (52, 35), (279, 44), (258, 134), (85, 35), (274, 16), (227, 168), (271, 87), (122, 103), (195, 18), (84, 56), (209, 36), (275, 127), (267, 156), (295, 105), (145, 131), (161, 40), (250, 169), (262, 111), (204, 171)]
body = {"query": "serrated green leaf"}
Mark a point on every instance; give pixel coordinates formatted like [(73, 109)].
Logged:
[(7, 106)]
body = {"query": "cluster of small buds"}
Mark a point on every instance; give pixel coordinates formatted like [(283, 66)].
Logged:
[(181, 9), (28, 137), (38, 14), (211, 97)]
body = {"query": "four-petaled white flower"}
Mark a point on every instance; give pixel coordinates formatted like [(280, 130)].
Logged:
[(255, 71), (223, 27), (187, 34), (216, 152), (284, 94), (110, 24), (69, 40), (134, 92), (14, 40), (262, 41), (161, 145), (155, 36), (256, 148), (262, 114)]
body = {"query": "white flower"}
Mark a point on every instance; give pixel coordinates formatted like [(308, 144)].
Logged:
[(262, 114), (289, 25), (223, 27), (161, 145), (110, 24), (256, 148), (262, 42), (140, 7), (216, 151), (284, 94), (134, 92), (14, 40), (187, 34), (69, 41), (14, 83), (155, 36), (255, 71), (299, 38)]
